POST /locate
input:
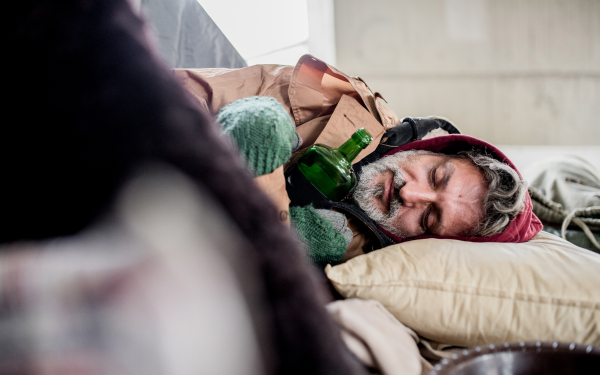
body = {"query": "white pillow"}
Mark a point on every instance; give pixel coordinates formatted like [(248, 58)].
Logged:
[(468, 294)]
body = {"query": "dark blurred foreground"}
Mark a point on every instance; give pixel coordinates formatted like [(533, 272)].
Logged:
[(132, 238)]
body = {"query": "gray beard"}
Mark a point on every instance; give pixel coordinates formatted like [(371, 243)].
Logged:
[(368, 193)]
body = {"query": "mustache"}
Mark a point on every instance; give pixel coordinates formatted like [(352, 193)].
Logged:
[(396, 202), (378, 190), (370, 190)]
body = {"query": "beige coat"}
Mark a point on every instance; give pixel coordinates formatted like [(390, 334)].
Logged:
[(326, 105)]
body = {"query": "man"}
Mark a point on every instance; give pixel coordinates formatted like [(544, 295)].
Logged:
[(470, 195), (451, 186), (419, 192), (468, 190)]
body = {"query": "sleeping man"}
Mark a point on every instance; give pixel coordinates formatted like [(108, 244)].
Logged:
[(420, 178), (420, 192)]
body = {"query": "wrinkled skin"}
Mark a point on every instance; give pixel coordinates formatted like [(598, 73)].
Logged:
[(416, 193)]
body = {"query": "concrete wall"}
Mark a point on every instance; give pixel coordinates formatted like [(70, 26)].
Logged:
[(522, 72)]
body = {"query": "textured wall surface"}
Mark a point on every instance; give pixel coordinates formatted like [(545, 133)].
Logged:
[(520, 72)]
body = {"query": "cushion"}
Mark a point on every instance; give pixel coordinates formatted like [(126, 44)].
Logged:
[(469, 294)]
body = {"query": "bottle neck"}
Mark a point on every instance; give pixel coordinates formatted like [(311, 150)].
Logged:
[(352, 147)]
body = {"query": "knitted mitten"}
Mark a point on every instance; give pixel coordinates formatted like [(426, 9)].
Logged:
[(262, 130), (325, 245), (339, 222)]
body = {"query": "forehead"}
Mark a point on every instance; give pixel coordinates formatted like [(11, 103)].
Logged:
[(462, 200)]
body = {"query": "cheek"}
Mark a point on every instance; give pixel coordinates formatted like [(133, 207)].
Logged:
[(407, 222)]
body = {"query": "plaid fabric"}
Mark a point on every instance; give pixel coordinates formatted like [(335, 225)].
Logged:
[(61, 303), (134, 296)]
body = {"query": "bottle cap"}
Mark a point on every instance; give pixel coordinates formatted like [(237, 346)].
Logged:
[(362, 136)]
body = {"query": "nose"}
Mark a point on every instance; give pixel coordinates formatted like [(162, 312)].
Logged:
[(414, 195)]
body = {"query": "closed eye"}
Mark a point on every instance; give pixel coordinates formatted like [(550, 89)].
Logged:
[(425, 219), (432, 177)]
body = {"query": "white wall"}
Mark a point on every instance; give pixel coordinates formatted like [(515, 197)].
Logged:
[(276, 31), (522, 72)]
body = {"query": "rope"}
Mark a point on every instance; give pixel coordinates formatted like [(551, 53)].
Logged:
[(581, 224), (553, 212)]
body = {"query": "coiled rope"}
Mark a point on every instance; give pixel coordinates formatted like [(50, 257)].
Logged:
[(553, 212)]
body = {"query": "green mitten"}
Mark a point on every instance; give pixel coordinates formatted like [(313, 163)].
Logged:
[(262, 130), (325, 245)]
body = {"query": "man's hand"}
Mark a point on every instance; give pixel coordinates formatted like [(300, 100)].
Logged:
[(262, 131), (326, 238)]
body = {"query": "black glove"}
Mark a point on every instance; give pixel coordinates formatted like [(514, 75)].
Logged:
[(411, 129)]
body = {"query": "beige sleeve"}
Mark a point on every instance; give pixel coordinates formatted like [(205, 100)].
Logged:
[(273, 185), (215, 88)]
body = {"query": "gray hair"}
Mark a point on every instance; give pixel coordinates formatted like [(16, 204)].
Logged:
[(505, 198)]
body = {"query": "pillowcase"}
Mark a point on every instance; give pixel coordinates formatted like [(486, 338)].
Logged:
[(469, 294)]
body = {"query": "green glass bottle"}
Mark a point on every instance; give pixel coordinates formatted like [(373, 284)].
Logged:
[(330, 169)]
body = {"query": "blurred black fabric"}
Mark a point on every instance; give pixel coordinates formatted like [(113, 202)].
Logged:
[(88, 103)]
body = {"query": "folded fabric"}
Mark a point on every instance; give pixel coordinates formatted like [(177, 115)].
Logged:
[(378, 339), (565, 190)]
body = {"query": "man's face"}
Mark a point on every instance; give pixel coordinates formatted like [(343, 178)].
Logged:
[(417, 192)]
